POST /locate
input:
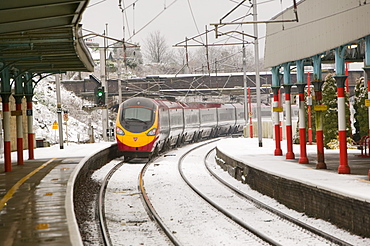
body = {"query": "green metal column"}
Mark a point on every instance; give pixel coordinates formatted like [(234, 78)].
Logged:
[(318, 83), (19, 120), (28, 92), (5, 95)]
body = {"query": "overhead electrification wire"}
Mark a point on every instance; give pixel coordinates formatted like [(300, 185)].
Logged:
[(153, 18), (121, 4), (91, 5), (124, 8), (192, 14)]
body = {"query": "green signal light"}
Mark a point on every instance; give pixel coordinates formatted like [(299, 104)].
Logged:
[(100, 94)]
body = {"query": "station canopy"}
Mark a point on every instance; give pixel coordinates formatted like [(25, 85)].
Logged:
[(322, 27), (43, 36)]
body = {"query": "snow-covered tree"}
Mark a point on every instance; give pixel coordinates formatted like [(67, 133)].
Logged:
[(331, 115), (361, 115)]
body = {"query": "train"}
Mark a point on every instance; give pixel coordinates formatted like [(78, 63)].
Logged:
[(146, 127)]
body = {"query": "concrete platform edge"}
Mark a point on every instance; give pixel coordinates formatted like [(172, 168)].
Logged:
[(73, 228)]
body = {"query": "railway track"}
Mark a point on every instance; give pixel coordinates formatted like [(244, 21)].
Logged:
[(159, 208), (276, 228), (271, 209), (103, 230), (119, 205)]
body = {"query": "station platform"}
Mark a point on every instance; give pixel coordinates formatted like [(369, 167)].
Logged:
[(344, 199), (33, 196)]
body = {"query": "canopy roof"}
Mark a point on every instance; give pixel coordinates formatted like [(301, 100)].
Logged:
[(322, 27), (43, 36)]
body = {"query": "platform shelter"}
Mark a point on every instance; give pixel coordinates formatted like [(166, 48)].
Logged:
[(37, 39), (331, 31)]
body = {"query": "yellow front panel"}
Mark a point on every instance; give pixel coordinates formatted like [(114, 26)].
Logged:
[(137, 139)]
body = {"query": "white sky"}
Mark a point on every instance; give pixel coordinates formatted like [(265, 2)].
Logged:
[(176, 22)]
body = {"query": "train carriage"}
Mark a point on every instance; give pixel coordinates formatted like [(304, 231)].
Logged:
[(191, 123), (225, 119), (139, 127), (145, 126), (239, 117), (208, 119)]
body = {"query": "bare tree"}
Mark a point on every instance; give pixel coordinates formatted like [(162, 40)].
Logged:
[(156, 48)]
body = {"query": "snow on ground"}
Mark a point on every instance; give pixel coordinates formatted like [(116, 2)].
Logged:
[(248, 150), (69, 150)]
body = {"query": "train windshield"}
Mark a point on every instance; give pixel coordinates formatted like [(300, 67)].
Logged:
[(139, 114), (137, 119)]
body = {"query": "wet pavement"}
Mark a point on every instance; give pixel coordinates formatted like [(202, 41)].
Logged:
[(32, 209)]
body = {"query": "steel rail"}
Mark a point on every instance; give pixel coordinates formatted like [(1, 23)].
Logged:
[(150, 209), (101, 206), (272, 210), (257, 233)]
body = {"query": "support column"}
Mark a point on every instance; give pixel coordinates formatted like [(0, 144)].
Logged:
[(302, 113), (276, 109), (5, 94), (342, 129), (319, 126), (302, 125), (19, 120), (340, 77), (28, 90), (276, 121), (288, 111), (288, 122), (318, 83)]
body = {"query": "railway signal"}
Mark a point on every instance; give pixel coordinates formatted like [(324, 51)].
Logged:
[(100, 96)]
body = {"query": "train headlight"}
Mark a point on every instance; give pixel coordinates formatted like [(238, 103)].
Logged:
[(152, 132), (119, 131)]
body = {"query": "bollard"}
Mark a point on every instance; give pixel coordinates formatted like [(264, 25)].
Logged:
[(368, 174)]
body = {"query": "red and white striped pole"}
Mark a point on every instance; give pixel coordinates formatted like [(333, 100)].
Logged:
[(250, 113), (342, 129), (7, 145), (31, 134), (19, 90), (19, 123), (28, 92), (288, 122), (276, 121), (302, 125)]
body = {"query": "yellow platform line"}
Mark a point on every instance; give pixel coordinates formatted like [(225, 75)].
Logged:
[(15, 187)]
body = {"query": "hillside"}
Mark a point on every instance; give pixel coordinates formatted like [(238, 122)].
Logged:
[(45, 113)]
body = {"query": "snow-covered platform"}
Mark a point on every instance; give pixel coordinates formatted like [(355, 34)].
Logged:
[(35, 208), (344, 199)]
